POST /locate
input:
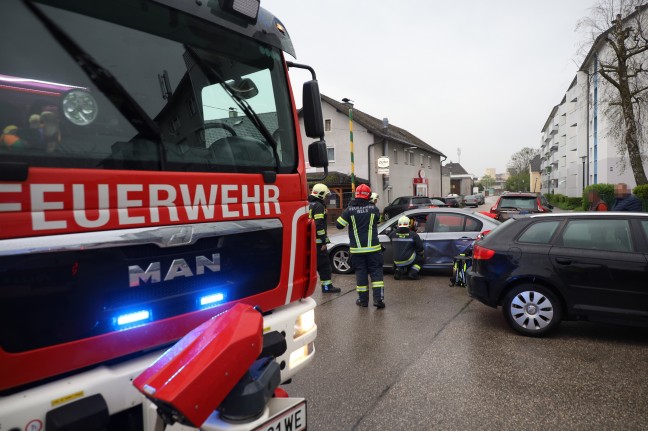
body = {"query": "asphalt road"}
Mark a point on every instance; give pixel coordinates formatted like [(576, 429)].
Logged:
[(436, 359)]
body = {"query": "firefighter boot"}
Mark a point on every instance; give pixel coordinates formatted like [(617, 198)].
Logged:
[(398, 273), (363, 299), (329, 288), (413, 273), (378, 299)]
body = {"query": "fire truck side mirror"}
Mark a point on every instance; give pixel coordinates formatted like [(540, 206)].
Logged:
[(312, 110), (317, 156)]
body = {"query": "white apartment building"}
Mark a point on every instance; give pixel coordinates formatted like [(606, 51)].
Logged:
[(577, 148)]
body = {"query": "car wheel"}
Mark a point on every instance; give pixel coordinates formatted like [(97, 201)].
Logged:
[(532, 310), (341, 260)]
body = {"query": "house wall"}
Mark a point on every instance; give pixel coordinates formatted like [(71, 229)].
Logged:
[(367, 148)]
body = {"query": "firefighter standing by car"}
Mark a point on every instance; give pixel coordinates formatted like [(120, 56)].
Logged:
[(361, 216), (317, 212), (408, 250)]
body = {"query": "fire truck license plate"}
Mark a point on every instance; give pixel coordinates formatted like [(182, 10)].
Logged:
[(293, 419)]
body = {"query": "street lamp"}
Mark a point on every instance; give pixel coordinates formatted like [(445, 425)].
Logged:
[(349, 103)]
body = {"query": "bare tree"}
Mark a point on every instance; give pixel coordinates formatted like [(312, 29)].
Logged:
[(521, 161), (618, 32)]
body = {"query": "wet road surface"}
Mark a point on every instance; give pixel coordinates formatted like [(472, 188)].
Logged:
[(435, 359)]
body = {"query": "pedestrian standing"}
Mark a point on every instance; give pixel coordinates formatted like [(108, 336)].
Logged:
[(595, 201), (361, 217), (317, 212), (625, 201), (408, 250)]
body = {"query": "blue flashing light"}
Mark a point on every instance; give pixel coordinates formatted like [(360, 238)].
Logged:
[(131, 318), (211, 300)]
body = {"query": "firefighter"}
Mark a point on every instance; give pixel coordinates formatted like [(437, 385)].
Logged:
[(408, 250), (374, 198), (361, 216), (317, 212)]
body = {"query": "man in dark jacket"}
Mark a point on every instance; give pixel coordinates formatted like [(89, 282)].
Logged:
[(361, 216), (408, 250), (317, 212), (625, 201)]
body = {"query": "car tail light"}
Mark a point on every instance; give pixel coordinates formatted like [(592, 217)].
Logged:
[(482, 253), (483, 234), (540, 207), (432, 206)]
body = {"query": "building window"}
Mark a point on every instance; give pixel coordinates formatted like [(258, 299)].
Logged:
[(327, 125), (411, 157), (429, 161), (421, 160), (330, 152), (395, 156)]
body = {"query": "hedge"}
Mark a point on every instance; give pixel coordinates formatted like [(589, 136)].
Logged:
[(606, 191), (564, 202)]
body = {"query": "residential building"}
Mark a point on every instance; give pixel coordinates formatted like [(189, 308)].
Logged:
[(577, 143), (414, 167), (461, 182)]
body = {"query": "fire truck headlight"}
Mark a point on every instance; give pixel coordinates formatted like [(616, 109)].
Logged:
[(304, 323), (80, 107), (300, 355)]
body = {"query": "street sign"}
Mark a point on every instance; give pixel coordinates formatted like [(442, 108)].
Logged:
[(383, 171), (382, 162)]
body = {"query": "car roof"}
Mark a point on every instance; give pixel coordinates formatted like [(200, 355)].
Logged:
[(445, 210), (521, 194), (600, 214)]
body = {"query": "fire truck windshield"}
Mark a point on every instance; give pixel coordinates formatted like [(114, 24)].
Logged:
[(155, 92)]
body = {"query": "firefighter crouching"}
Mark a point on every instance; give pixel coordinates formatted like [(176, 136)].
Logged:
[(408, 250), (361, 216), (317, 212)]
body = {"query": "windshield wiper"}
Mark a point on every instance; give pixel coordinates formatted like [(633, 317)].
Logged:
[(214, 76), (103, 79)]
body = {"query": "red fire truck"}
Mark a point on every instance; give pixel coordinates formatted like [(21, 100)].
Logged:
[(156, 257)]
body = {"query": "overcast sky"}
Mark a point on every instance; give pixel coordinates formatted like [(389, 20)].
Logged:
[(482, 76)]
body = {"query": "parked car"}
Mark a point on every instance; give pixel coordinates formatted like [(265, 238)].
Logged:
[(438, 203), (405, 203), (481, 198), (454, 201), (445, 233), (520, 203), (542, 269), (471, 201)]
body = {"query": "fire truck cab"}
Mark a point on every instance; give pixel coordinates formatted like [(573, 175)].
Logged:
[(152, 215)]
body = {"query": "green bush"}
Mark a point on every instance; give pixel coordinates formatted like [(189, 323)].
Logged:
[(606, 191), (641, 191)]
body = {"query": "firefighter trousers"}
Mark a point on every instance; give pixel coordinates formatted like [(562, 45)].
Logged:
[(323, 266), (369, 265)]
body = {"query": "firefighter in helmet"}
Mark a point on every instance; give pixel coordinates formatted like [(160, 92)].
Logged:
[(361, 217), (407, 248), (317, 212)]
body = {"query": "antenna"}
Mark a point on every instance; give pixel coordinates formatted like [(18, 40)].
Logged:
[(459, 155)]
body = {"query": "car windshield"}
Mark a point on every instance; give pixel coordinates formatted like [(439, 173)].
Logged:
[(167, 99)]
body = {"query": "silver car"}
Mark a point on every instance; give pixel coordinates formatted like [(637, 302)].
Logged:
[(446, 233)]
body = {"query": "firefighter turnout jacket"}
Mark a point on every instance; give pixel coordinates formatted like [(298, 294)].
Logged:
[(361, 216), (406, 244), (317, 212)]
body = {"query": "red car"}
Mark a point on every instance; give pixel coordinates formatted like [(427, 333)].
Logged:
[(520, 203)]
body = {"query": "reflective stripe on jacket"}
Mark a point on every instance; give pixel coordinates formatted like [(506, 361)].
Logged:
[(317, 212), (405, 245), (361, 216)]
